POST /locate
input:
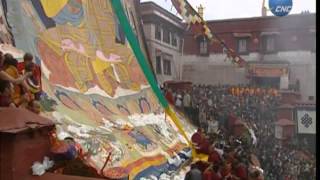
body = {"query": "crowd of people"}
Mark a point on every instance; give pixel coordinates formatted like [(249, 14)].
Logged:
[(216, 110), (19, 82), (282, 162)]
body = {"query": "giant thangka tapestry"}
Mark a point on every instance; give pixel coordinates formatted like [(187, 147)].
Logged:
[(99, 93)]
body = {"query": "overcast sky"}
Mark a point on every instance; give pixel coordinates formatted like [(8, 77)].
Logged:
[(227, 9)]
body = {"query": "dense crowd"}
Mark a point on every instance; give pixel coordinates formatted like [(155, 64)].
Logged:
[(19, 82), (216, 110)]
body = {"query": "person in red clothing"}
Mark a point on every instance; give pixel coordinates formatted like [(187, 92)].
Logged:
[(212, 173), (216, 174), (214, 156), (226, 170), (200, 142), (204, 147), (24, 67), (169, 97), (207, 174), (5, 76), (196, 138), (240, 170)]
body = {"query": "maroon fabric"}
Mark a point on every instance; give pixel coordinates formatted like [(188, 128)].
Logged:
[(241, 172), (5, 101), (202, 144), (169, 97), (214, 157), (36, 72), (215, 176), (196, 138), (207, 175), (225, 171)]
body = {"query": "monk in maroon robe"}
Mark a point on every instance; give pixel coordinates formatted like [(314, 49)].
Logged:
[(200, 142), (214, 156)]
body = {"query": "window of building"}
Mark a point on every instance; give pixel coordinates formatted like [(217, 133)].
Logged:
[(158, 33), (242, 45), (174, 40), (166, 36), (203, 46), (167, 67), (158, 65), (269, 43)]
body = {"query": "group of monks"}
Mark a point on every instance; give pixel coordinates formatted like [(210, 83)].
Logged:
[(240, 91), (221, 164)]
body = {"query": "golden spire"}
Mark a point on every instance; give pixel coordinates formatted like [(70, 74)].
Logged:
[(200, 10), (264, 9)]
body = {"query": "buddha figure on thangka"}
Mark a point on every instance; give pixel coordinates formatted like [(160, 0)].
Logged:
[(84, 50), (142, 142)]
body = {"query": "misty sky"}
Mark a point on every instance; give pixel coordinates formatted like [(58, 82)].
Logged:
[(227, 9)]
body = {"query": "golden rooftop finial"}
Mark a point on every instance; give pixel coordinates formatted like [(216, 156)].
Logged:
[(264, 9), (200, 10)]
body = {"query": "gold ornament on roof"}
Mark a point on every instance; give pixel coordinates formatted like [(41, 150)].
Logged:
[(200, 10)]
